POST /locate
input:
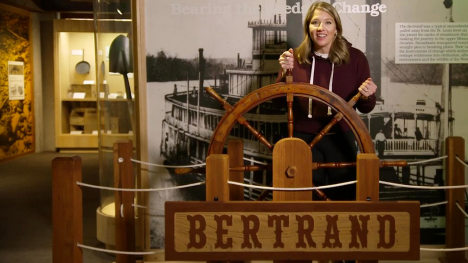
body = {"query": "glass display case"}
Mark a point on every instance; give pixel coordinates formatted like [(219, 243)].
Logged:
[(115, 97), (94, 97), (78, 91)]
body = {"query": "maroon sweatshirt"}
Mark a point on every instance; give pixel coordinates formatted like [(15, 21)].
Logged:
[(347, 78)]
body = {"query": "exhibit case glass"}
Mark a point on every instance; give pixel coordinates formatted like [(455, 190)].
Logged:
[(115, 98)]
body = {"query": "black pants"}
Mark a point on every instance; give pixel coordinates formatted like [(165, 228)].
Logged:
[(381, 148), (339, 147)]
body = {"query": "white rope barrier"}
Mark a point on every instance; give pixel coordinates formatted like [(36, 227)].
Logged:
[(169, 166), (114, 251), (139, 190), (460, 160), (292, 189), (461, 209), (423, 187), (434, 204), (428, 160), (140, 206)]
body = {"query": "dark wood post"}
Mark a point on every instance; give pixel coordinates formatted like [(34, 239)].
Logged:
[(67, 210), (124, 200), (454, 218), (235, 150), (367, 186)]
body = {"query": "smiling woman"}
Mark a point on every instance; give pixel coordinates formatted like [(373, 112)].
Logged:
[(325, 58)]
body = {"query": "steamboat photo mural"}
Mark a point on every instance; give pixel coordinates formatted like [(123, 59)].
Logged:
[(234, 46)]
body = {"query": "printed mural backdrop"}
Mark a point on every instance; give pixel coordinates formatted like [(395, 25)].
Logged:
[(233, 46), (16, 117)]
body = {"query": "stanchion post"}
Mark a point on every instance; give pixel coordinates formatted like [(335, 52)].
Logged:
[(454, 218), (124, 200), (67, 210), (217, 174), (235, 150), (367, 186)]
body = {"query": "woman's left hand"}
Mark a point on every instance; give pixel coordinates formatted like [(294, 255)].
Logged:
[(368, 88)]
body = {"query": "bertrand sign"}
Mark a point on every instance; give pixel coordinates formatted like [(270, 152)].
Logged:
[(292, 230)]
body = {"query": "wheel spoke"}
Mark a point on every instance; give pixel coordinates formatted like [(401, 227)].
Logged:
[(321, 194), (393, 163), (334, 121), (289, 99), (257, 134), (217, 97), (353, 164), (333, 165), (251, 168), (181, 171), (324, 131)]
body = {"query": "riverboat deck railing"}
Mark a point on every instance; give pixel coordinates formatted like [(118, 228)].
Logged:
[(409, 146)]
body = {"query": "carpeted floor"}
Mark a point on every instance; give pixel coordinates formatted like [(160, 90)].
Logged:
[(26, 209)]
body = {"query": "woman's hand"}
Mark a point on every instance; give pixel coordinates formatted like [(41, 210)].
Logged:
[(368, 88), (286, 60)]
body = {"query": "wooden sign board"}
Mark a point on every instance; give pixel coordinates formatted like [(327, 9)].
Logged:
[(205, 231)]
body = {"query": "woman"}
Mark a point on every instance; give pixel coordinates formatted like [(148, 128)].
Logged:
[(326, 59)]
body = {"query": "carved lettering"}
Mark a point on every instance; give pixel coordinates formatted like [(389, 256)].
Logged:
[(382, 233), (220, 231), (276, 222), (197, 233), (332, 232), (305, 232), (359, 230), (251, 232)]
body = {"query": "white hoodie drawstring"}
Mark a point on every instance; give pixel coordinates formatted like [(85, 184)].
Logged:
[(330, 85)]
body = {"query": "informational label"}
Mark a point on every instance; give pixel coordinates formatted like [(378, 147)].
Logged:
[(77, 52), (16, 80), (79, 95), (431, 43)]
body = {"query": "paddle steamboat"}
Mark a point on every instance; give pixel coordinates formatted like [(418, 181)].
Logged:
[(192, 115)]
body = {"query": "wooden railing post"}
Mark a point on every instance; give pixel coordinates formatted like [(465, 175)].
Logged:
[(367, 186), (217, 175), (235, 150), (454, 218), (124, 200), (67, 210)]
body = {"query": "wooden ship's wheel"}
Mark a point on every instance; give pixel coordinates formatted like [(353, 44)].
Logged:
[(235, 113), (292, 156), (291, 167)]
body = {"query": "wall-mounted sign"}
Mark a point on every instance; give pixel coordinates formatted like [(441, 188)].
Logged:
[(16, 80), (292, 230)]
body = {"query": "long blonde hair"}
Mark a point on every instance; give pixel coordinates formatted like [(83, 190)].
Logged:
[(339, 53)]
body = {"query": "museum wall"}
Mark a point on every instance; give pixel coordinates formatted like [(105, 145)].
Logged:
[(17, 125)]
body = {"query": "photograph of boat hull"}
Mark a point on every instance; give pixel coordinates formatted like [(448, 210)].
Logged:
[(234, 46)]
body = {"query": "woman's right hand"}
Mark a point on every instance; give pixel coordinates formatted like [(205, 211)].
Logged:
[(286, 60)]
